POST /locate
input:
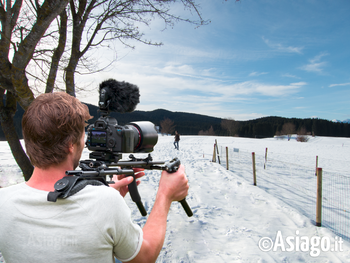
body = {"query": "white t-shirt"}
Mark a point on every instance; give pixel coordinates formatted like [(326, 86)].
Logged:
[(94, 225)]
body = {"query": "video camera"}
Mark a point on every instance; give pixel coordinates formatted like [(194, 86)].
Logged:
[(108, 141), (106, 138)]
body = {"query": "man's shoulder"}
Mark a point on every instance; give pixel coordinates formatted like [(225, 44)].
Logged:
[(98, 193), (101, 201), (101, 190), (9, 190)]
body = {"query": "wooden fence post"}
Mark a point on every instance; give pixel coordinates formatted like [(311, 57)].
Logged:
[(214, 155), (217, 151), (316, 165), (254, 170), (265, 158), (227, 166), (319, 198)]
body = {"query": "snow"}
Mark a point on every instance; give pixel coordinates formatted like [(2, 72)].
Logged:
[(231, 215)]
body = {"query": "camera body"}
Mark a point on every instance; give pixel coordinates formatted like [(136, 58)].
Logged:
[(105, 138)]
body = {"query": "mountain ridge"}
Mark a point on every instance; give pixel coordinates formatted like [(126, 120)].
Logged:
[(192, 123)]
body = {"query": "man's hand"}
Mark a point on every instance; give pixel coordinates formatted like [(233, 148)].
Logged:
[(122, 182), (174, 185)]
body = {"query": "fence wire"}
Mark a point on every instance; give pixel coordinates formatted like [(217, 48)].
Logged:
[(336, 203), (296, 185)]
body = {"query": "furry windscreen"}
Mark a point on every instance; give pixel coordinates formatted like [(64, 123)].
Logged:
[(123, 96)]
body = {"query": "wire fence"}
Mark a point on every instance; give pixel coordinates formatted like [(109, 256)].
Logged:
[(336, 203), (296, 185)]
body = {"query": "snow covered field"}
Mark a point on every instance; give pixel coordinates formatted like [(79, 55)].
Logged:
[(235, 221), (291, 177)]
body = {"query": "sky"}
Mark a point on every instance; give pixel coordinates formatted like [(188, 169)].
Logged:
[(254, 59)]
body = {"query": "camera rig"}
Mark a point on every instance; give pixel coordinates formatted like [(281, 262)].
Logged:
[(108, 141), (95, 172)]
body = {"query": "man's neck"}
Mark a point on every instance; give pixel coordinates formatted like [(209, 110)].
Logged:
[(45, 179)]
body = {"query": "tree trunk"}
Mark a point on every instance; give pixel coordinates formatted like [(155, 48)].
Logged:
[(6, 116), (56, 57), (13, 78), (70, 88)]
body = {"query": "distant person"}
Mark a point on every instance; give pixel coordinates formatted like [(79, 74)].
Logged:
[(177, 139), (93, 225)]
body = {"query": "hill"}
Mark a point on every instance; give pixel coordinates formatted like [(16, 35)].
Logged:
[(186, 123), (192, 124)]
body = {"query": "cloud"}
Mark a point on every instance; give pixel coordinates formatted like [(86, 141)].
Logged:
[(255, 74), (337, 85), (314, 67), (280, 47), (287, 75), (250, 88), (315, 64), (188, 71)]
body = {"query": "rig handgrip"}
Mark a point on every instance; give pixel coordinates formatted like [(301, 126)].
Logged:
[(135, 196), (172, 167), (141, 208), (186, 207)]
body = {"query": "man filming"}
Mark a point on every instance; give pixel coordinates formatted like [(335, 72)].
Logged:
[(93, 225)]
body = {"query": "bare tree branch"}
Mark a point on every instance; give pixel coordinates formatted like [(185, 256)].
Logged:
[(36, 47)]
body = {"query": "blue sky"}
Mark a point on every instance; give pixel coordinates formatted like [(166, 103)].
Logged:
[(256, 58)]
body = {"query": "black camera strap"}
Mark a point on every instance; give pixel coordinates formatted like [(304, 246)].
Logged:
[(70, 185)]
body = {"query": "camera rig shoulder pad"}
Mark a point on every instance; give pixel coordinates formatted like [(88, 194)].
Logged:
[(70, 185)]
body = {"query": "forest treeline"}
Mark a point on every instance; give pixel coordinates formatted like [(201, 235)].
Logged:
[(271, 126), (196, 124)]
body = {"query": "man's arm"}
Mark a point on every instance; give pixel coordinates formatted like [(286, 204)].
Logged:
[(172, 187)]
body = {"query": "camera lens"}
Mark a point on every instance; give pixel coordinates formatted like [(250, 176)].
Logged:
[(145, 136)]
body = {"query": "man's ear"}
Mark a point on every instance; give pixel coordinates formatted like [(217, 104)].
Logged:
[(71, 148)]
